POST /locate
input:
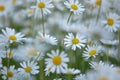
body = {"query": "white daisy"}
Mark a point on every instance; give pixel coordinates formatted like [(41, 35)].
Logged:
[(10, 35), (11, 73), (71, 71), (91, 51), (47, 38), (43, 5), (28, 68), (57, 61), (5, 7), (80, 77), (74, 6), (47, 70), (74, 41), (112, 23)]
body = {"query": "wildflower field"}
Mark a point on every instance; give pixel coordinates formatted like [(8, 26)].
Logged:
[(59, 39)]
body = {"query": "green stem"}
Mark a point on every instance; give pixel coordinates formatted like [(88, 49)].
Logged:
[(43, 22), (76, 66), (119, 43), (41, 73), (69, 17), (7, 61), (98, 15)]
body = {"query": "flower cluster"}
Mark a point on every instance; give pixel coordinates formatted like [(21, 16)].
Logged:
[(59, 40)]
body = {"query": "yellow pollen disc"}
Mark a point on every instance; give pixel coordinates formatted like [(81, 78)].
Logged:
[(104, 78), (41, 5), (57, 60), (92, 52), (32, 52), (118, 70), (110, 21), (10, 74), (14, 1), (10, 54), (49, 69), (28, 69), (2, 7), (69, 72), (30, 11), (75, 7), (98, 2), (90, 43), (75, 41), (12, 37)]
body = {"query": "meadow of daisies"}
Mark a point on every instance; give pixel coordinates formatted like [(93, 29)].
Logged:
[(59, 40)]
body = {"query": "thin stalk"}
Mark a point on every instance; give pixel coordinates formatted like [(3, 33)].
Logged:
[(98, 15), (69, 17), (119, 43), (43, 22), (7, 61), (76, 66)]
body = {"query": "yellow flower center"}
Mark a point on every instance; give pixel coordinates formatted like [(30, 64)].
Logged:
[(49, 69), (75, 7), (110, 21), (98, 2), (69, 72), (90, 43), (75, 41), (118, 70), (2, 7), (32, 52), (30, 11), (12, 37), (92, 52), (57, 60), (10, 74), (104, 78), (28, 69), (10, 54), (41, 5), (14, 1)]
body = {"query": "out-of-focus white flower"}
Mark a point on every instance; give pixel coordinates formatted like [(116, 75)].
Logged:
[(57, 61), (74, 6), (47, 38), (74, 41), (71, 71), (80, 77)]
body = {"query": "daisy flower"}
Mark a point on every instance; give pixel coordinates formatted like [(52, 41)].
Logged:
[(47, 38), (28, 68), (74, 41), (74, 6), (47, 71), (112, 23), (5, 7), (43, 5), (80, 77), (94, 3), (11, 73), (10, 35), (57, 61), (71, 71), (91, 51)]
